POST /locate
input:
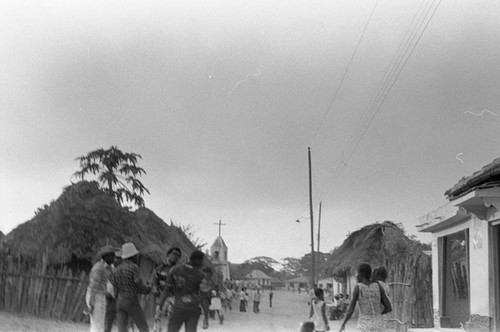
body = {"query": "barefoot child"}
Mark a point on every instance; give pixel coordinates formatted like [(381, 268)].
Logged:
[(318, 311)]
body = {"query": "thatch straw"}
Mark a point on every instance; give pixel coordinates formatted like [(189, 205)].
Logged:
[(82, 220), (374, 244)]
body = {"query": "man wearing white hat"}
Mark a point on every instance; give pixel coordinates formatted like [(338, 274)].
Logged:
[(128, 284), (96, 291)]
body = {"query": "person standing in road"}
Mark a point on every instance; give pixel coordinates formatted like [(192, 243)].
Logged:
[(318, 311), (160, 283), (206, 294), (242, 300), (256, 301), (128, 284), (95, 297), (111, 295), (369, 294), (271, 294), (184, 284), (229, 299)]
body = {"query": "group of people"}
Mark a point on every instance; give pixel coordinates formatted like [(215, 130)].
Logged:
[(115, 284), (256, 295), (370, 293)]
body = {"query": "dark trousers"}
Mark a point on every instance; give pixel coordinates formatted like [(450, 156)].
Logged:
[(130, 308), (256, 307), (205, 304), (242, 306), (270, 301), (110, 317), (188, 317)]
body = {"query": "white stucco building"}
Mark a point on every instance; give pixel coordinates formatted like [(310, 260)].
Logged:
[(219, 257), (466, 253)]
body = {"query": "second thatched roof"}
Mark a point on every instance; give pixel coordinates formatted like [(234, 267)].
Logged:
[(373, 244)]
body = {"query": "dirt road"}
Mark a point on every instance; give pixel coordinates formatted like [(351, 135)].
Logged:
[(288, 311)]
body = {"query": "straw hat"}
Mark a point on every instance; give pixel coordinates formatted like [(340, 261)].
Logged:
[(129, 250), (106, 250)]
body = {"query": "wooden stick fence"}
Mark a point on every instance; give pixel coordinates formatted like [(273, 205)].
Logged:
[(50, 293), (411, 295)]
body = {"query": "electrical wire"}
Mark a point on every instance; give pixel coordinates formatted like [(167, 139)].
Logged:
[(343, 76), (389, 80)]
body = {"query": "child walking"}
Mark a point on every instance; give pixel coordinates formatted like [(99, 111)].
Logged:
[(318, 311), (216, 305)]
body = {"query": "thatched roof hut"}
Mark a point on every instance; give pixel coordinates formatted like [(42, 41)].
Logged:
[(376, 244), (409, 268), (71, 230)]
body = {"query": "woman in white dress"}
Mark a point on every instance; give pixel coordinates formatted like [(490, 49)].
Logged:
[(369, 294), (216, 305)]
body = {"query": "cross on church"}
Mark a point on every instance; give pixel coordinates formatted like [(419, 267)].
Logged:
[(220, 225)]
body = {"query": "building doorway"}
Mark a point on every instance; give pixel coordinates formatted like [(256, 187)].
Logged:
[(456, 284), (495, 243)]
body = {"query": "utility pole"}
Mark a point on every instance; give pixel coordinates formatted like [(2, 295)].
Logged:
[(313, 279), (319, 230)]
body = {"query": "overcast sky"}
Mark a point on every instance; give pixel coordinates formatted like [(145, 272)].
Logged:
[(222, 99)]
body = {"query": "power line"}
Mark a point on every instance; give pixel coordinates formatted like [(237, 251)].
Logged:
[(388, 87), (343, 76), (340, 163), (376, 103)]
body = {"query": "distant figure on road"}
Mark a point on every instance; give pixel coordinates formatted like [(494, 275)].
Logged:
[(242, 300), (271, 294), (96, 291), (369, 294), (311, 294), (256, 301), (229, 299), (318, 311), (185, 280), (128, 284)]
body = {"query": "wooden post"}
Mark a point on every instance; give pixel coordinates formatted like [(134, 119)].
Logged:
[(313, 279)]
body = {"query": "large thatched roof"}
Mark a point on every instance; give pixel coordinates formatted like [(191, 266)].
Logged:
[(374, 244), (82, 220), (488, 174)]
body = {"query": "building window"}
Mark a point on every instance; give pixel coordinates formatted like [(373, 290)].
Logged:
[(216, 255)]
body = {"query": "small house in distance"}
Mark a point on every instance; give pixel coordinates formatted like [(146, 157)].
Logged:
[(466, 253), (330, 284), (259, 278), (297, 283)]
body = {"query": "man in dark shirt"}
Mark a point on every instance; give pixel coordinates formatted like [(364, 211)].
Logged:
[(160, 283), (128, 284), (184, 284)]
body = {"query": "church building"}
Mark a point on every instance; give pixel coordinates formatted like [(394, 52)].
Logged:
[(219, 255)]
